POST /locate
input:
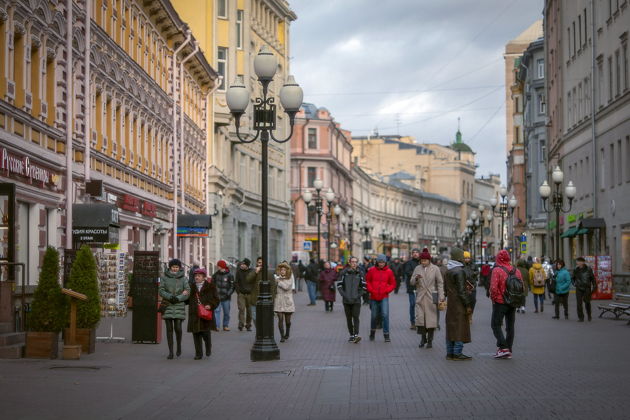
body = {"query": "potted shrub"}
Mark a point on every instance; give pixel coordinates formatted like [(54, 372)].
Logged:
[(83, 279), (48, 311)]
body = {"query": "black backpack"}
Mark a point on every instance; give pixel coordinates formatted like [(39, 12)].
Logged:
[(514, 289)]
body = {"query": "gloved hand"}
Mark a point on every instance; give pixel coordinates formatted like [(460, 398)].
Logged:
[(173, 299)]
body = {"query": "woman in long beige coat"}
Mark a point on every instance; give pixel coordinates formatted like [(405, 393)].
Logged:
[(428, 280), (283, 304)]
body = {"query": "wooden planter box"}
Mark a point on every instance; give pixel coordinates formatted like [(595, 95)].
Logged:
[(42, 345), (86, 338)]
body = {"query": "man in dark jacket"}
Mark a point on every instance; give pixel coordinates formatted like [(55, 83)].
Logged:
[(407, 271), (458, 308), (585, 284), (397, 268), (500, 308), (351, 287), (243, 292), (312, 277), (224, 281)]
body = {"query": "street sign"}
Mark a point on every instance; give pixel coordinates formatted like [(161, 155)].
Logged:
[(484, 244), (523, 247), (307, 245)]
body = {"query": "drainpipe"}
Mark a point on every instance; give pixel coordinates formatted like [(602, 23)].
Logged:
[(69, 129), (175, 170), (593, 107), (88, 91), (210, 134), (181, 122)]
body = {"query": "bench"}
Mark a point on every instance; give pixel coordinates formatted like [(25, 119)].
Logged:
[(620, 306)]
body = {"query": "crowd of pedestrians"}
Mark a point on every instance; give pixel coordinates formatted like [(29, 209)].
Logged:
[(433, 285)]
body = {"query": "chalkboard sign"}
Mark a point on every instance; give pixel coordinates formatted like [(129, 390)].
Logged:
[(144, 291)]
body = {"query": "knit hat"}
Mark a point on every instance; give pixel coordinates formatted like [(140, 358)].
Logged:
[(200, 271), (457, 254), (466, 254), (381, 257), (222, 264), (173, 262), (425, 255), (415, 250), (246, 261)]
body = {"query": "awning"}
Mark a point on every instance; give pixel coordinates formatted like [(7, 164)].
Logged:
[(194, 221), (582, 231), (569, 233), (593, 223), (94, 215)]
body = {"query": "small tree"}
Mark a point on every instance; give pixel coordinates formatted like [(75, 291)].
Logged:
[(83, 280), (48, 310)]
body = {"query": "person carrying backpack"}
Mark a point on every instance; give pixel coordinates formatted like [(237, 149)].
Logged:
[(507, 293), (537, 280)]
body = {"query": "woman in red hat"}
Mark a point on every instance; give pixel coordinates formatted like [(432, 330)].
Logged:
[(205, 293)]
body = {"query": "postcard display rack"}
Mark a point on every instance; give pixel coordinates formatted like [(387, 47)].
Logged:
[(602, 268), (113, 284)]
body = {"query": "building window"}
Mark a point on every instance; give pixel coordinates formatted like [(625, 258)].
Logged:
[(625, 66), (222, 10), (574, 39), (580, 29), (222, 65), (312, 138), (618, 75), (602, 166), (543, 152), (611, 163), (619, 164), (627, 165), (239, 29), (542, 106), (311, 176), (585, 28), (311, 215), (540, 66), (610, 79)]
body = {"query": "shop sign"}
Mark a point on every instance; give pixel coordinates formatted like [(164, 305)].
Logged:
[(192, 232), (130, 203), (148, 209), (22, 166), (90, 234), (161, 214), (571, 218)]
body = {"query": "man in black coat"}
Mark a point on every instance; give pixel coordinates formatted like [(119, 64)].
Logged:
[(585, 284), (224, 280), (244, 292), (408, 268), (312, 276)]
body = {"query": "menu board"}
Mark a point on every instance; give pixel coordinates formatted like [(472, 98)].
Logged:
[(112, 278), (603, 276)]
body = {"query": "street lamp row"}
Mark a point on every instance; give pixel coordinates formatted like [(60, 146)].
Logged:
[(557, 200)]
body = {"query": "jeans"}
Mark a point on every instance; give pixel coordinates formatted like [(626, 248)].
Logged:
[(454, 347), (564, 300), (225, 306), (253, 309), (244, 310), (312, 291), (412, 307), (583, 296), (380, 307), (540, 298), (500, 311), (352, 310)]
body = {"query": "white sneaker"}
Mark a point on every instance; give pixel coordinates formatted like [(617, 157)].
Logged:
[(503, 354), (522, 309)]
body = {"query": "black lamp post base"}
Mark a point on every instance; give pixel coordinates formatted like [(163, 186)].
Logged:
[(265, 350), (265, 347)]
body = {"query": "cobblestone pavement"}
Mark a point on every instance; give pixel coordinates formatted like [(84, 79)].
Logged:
[(560, 369)]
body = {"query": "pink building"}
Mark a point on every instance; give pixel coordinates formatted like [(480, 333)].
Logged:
[(321, 150)]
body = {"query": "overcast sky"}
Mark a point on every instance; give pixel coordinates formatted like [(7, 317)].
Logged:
[(411, 67)]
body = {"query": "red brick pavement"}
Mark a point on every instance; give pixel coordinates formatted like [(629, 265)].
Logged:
[(560, 369)]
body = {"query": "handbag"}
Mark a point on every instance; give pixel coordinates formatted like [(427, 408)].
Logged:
[(202, 312), (163, 305)]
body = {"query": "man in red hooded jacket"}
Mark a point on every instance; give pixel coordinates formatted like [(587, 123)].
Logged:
[(380, 282), (500, 309)]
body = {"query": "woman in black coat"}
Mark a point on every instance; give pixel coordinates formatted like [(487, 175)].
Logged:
[(205, 292)]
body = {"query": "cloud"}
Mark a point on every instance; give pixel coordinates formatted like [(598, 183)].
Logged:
[(411, 66)]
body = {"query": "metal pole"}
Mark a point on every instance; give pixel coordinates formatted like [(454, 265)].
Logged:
[(328, 221), (557, 208), (319, 221), (481, 236), (501, 211)]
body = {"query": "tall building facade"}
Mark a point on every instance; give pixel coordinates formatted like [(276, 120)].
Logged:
[(589, 131), (320, 149), (531, 76), (112, 110), (231, 33)]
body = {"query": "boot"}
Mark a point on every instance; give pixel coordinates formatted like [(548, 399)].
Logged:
[(197, 340), (281, 328), (170, 348), (286, 337), (179, 348), (372, 335), (430, 337), (423, 333), (208, 341)]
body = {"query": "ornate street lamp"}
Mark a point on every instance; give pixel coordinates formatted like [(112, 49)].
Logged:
[(409, 245), (319, 209), (365, 229), (350, 228), (505, 206), (473, 226), (385, 235), (557, 200), (337, 210), (291, 96)]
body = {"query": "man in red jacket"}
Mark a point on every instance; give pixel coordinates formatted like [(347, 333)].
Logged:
[(380, 283), (500, 309)]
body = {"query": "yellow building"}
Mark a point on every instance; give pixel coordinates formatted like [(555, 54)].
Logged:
[(231, 33), (123, 119), (445, 170)]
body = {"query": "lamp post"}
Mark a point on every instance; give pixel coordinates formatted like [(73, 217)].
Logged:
[(350, 228), (409, 246), (237, 96), (505, 207), (365, 229), (557, 200), (384, 236), (435, 242), (482, 223), (329, 195), (329, 217), (473, 225)]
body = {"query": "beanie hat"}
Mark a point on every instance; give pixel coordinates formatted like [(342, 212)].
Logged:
[(466, 254), (415, 250), (457, 254), (173, 262), (246, 261), (222, 264), (381, 257), (200, 271), (425, 255)]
